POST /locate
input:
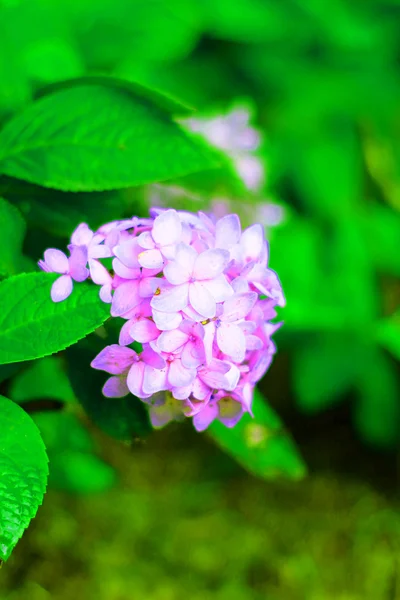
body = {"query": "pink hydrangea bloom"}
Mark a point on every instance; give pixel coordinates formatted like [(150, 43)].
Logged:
[(197, 293)]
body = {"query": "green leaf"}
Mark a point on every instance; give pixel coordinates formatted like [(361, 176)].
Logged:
[(260, 445), (94, 138), (12, 230), (33, 326), (164, 101), (377, 410), (121, 418), (325, 366), (23, 474), (73, 466), (45, 378)]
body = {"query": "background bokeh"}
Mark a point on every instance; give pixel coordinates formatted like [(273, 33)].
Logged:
[(318, 87)]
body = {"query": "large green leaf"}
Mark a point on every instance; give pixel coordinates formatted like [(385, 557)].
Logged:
[(32, 325), (260, 444), (388, 334), (23, 474), (44, 378), (93, 138), (121, 418), (12, 231)]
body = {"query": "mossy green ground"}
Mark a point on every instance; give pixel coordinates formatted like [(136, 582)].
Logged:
[(185, 523)]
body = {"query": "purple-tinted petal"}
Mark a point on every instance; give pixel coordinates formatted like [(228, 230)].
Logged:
[(145, 240), (56, 261), (115, 387), (171, 299), (219, 288), (227, 232), (180, 269), (126, 297), (148, 286), (151, 259), (82, 236), (210, 264), (214, 374), (135, 379), (124, 336), (169, 341), (193, 354), (105, 293), (209, 336), (231, 341), (77, 263), (114, 359), (125, 272), (205, 417), (99, 251), (182, 393), (128, 252), (253, 342), (162, 414), (155, 380), (61, 288), (167, 228), (232, 378), (240, 285), (238, 306), (144, 331), (152, 358), (200, 390), (252, 242), (272, 288), (166, 321), (99, 273), (178, 375), (201, 300)]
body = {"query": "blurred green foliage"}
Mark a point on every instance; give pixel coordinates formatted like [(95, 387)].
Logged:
[(324, 85)]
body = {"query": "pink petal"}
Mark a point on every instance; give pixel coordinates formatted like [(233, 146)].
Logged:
[(180, 269), (56, 261), (205, 417), (252, 242), (169, 341), (214, 374), (115, 387), (135, 379), (219, 288), (126, 297), (166, 321), (227, 232), (209, 336), (148, 285), (238, 306), (122, 271), (253, 342), (155, 380), (82, 235), (151, 259), (171, 299), (144, 331), (193, 354), (128, 252), (272, 288), (61, 288), (152, 358), (232, 378), (99, 273), (231, 341), (210, 264), (145, 240), (182, 393), (240, 285), (200, 390), (99, 251), (114, 359), (105, 293), (167, 228), (124, 336), (178, 375), (201, 300)]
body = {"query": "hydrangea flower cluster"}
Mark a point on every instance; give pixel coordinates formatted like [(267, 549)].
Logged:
[(197, 295)]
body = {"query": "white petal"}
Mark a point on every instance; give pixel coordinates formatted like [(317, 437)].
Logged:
[(201, 300), (167, 228), (231, 341), (171, 299)]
